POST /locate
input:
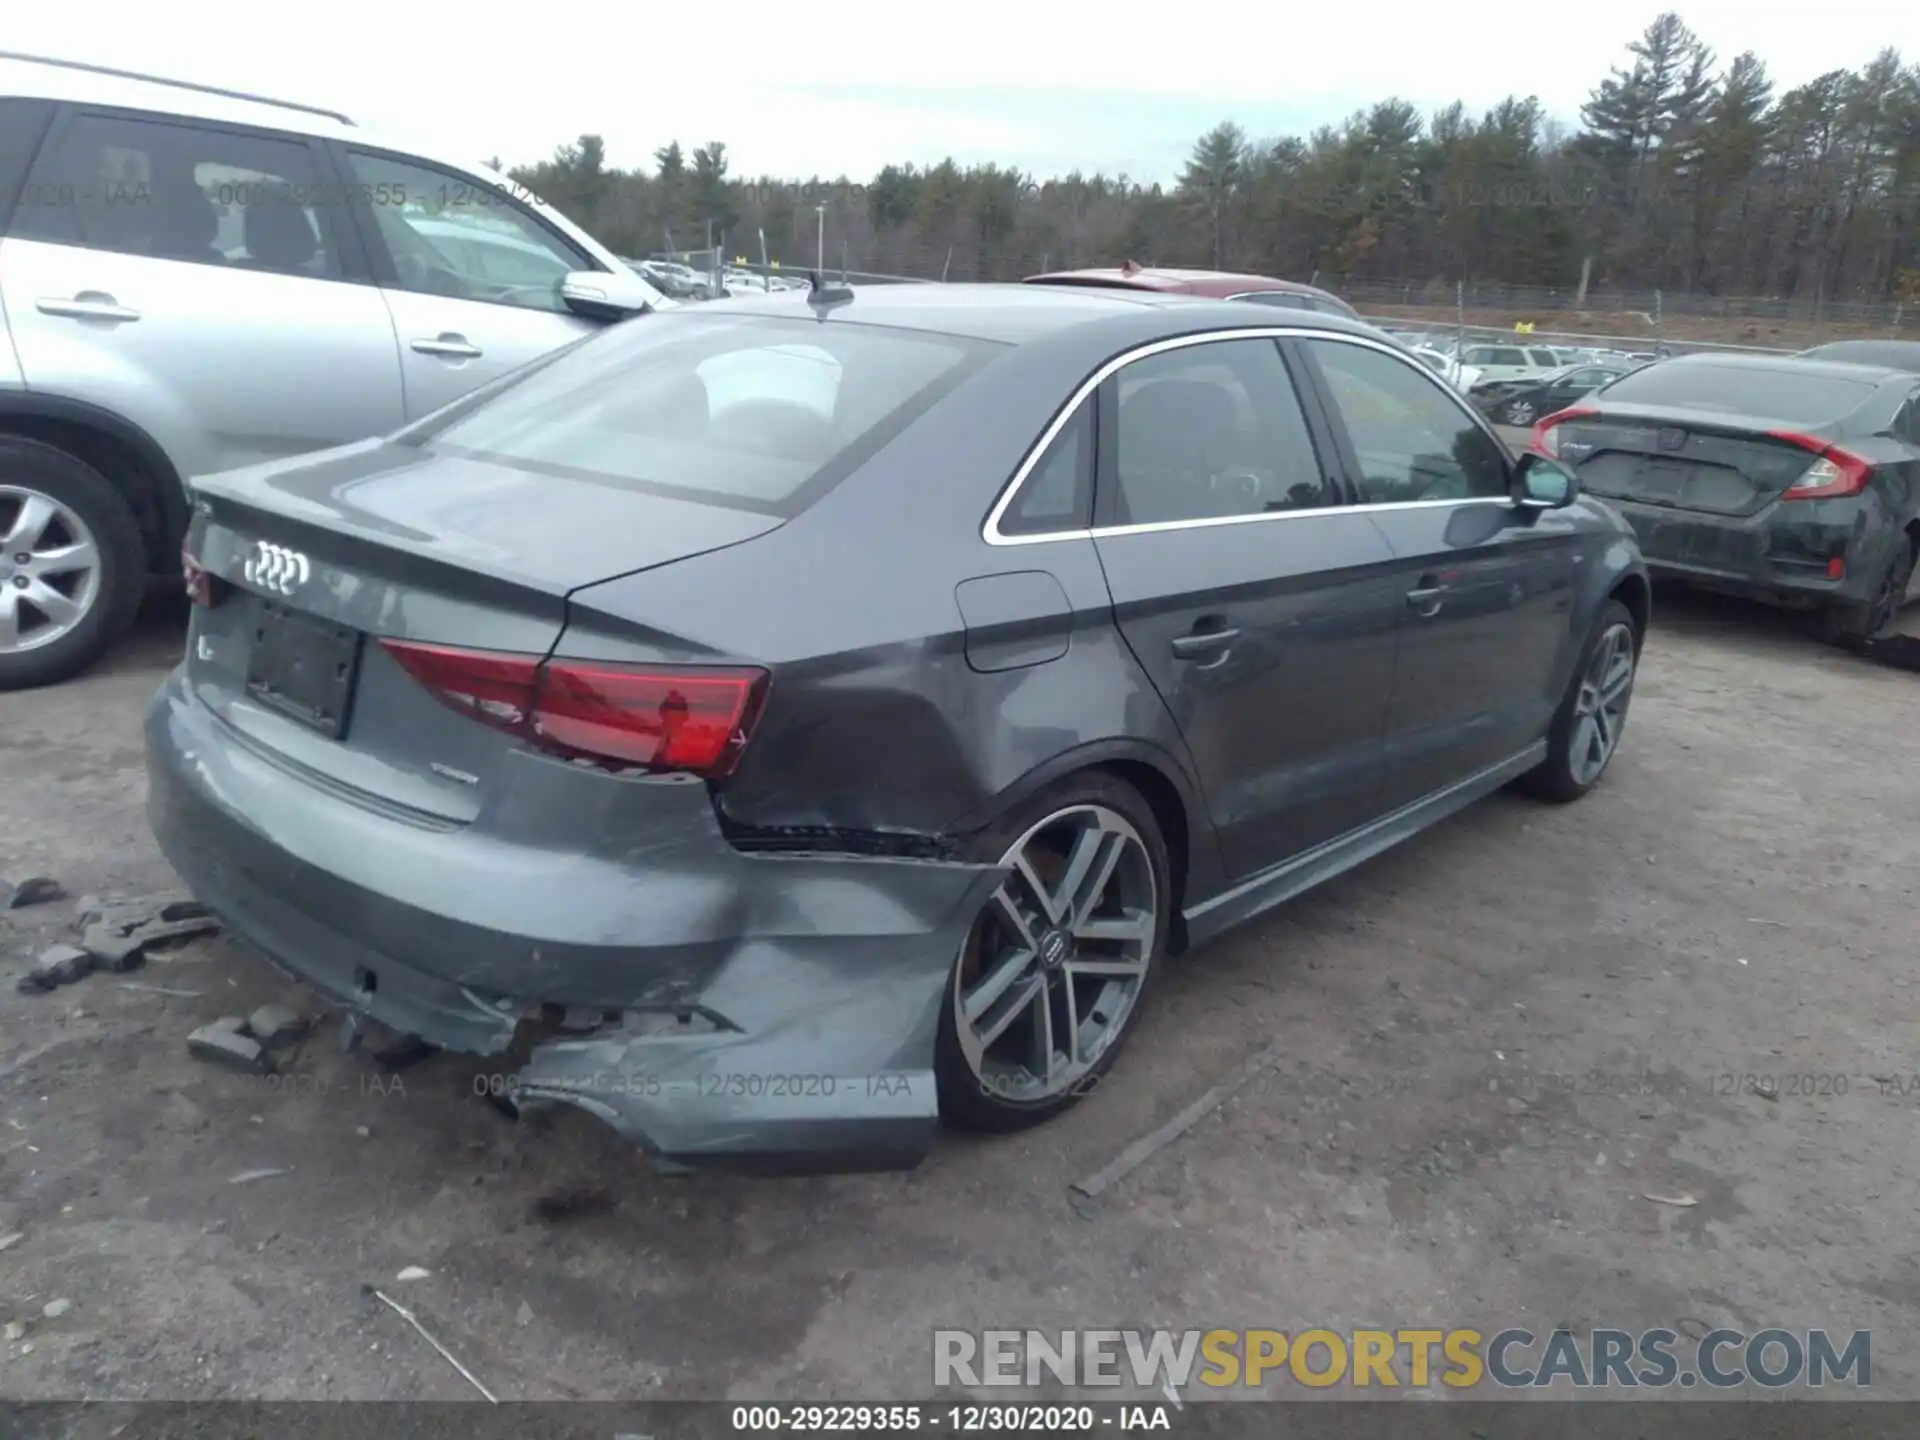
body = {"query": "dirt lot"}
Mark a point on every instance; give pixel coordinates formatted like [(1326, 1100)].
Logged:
[(1457, 1133)]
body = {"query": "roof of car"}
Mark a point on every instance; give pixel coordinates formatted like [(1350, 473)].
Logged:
[(1900, 354), (1799, 364), (49, 78), (1014, 314), (1217, 283)]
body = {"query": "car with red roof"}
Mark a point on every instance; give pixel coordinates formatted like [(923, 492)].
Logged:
[(1214, 284)]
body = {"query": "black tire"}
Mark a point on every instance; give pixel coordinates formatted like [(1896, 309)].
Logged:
[(965, 1101), (123, 569), (1854, 625), (1554, 778)]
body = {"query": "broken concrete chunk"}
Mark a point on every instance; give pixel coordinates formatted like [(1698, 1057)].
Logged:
[(16, 1330), (55, 966), (223, 1046), (34, 890), (54, 1309), (275, 1026), (119, 940)]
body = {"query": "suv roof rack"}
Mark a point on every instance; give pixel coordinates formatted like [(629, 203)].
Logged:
[(175, 84)]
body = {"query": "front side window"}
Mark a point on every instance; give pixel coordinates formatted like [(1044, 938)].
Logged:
[(1412, 441), (1211, 431), (182, 192), (456, 236), (747, 411)]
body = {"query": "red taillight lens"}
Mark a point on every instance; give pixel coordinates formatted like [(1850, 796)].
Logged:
[(665, 717), (198, 583), (672, 719), (1834, 474), (1544, 440)]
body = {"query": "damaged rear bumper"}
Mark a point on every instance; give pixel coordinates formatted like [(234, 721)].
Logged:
[(750, 1011)]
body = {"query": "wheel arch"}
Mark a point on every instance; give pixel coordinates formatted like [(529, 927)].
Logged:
[(1635, 592), (1163, 785), (131, 460)]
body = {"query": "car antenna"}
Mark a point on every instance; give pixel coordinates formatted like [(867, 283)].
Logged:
[(822, 296)]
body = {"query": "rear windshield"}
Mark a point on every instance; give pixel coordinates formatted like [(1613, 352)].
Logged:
[(753, 412), (1794, 395)]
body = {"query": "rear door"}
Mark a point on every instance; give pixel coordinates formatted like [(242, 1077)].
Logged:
[(471, 275), (197, 279), (1259, 603), (1484, 589)]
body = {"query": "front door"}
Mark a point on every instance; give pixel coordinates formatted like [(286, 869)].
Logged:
[(1486, 587), (1260, 606), (471, 275)]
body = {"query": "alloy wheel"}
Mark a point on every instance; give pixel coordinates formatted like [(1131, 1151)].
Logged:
[(1600, 708), (1054, 965), (1520, 413), (49, 569)]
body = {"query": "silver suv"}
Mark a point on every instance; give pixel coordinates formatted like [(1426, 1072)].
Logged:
[(195, 279)]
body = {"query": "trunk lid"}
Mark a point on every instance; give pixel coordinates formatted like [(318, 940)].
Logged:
[(313, 565), (1696, 460)]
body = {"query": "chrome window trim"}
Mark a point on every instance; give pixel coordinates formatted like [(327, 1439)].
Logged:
[(990, 530)]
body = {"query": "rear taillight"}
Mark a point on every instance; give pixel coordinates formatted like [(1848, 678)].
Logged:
[(198, 583), (665, 717), (1835, 474), (1544, 440)]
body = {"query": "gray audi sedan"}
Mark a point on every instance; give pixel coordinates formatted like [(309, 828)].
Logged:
[(781, 724)]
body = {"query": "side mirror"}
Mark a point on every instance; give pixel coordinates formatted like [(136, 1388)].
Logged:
[(605, 295), (1543, 483)]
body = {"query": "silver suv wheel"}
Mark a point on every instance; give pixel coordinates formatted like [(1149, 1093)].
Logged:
[(49, 569)]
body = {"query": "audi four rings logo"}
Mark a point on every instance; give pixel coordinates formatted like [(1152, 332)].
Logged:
[(276, 568)]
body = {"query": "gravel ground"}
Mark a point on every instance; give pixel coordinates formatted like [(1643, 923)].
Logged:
[(1457, 1131)]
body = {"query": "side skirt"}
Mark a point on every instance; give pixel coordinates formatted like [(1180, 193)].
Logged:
[(1290, 877)]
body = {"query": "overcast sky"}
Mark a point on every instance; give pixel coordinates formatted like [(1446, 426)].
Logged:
[(1094, 87)]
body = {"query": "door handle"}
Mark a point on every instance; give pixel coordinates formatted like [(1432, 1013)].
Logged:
[(452, 346), (1425, 598), (1207, 642), (89, 305)]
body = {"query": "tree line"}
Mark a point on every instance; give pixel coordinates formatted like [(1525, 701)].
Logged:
[(1684, 174)]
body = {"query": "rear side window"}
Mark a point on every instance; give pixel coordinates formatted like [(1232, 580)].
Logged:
[(1208, 432), (22, 122), (748, 411), (1546, 357), (181, 192), (1058, 493), (1797, 396)]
